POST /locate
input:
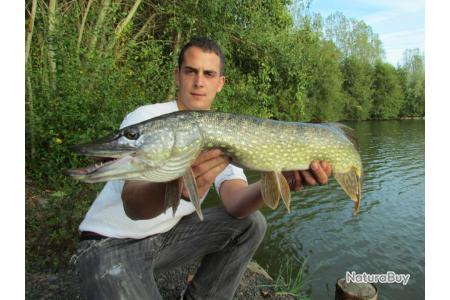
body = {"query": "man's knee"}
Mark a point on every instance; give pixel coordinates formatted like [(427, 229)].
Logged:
[(253, 226), (258, 225)]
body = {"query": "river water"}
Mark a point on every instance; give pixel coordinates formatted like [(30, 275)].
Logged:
[(387, 235)]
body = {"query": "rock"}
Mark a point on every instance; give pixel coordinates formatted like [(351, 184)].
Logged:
[(255, 268)]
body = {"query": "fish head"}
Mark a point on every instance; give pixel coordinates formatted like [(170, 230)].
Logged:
[(130, 152)]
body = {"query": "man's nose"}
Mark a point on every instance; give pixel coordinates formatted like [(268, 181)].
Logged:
[(199, 80)]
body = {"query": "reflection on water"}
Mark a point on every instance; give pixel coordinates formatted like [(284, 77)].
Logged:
[(387, 235)]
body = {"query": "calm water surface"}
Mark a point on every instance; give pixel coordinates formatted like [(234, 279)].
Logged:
[(387, 235)]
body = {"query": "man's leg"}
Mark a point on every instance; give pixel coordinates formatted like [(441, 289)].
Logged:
[(226, 244), (118, 268)]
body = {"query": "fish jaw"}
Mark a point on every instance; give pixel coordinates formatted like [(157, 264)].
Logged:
[(121, 168), (108, 147)]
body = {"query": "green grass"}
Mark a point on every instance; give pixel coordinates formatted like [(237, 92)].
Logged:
[(292, 279), (51, 224)]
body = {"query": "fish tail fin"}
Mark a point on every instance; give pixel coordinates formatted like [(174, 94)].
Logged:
[(191, 185), (274, 185), (173, 195), (351, 182)]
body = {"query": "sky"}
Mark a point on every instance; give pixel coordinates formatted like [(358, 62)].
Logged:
[(400, 24)]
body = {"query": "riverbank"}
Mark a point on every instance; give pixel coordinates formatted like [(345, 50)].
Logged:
[(255, 284)]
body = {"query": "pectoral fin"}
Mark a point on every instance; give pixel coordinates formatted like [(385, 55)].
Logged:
[(351, 182), (274, 185), (173, 194), (191, 185), (269, 189), (285, 191)]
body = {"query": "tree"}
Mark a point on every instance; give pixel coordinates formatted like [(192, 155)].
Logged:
[(412, 74), (353, 37), (388, 95), (357, 87), (325, 96)]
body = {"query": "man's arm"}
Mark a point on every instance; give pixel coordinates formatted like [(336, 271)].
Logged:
[(241, 199), (145, 200), (142, 199)]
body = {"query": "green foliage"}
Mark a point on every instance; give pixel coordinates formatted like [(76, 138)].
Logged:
[(292, 279), (88, 95), (51, 222), (83, 78), (326, 101), (357, 87), (412, 78), (353, 37), (388, 95)]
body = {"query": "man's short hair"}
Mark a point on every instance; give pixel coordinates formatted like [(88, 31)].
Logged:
[(206, 45)]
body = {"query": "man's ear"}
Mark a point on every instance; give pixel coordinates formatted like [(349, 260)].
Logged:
[(221, 83)]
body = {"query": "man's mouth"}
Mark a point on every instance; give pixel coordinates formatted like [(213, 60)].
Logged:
[(198, 95)]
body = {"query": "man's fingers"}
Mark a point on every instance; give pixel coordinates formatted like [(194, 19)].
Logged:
[(308, 178), (294, 179), (326, 167), (207, 155), (298, 181), (208, 177), (205, 180), (319, 173), (205, 166)]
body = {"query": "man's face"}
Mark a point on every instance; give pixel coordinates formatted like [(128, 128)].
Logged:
[(198, 80)]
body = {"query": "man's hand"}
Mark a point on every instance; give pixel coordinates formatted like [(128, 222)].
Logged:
[(318, 173), (206, 167), (136, 193)]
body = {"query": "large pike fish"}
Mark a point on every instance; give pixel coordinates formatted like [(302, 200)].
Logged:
[(163, 149)]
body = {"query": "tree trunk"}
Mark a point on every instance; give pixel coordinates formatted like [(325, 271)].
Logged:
[(121, 27), (51, 46), (355, 291), (30, 30), (83, 22), (176, 48), (144, 28), (123, 24), (30, 114), (98, 25), (29, 100)]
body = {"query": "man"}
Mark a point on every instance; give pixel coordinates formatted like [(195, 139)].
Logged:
[(127, 236)]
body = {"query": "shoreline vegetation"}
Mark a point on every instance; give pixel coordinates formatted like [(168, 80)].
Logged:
[(89, 63)]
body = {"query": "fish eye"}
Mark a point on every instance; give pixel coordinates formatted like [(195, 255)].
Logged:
[(131, 133)]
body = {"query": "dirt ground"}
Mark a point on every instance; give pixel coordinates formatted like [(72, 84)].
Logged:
[(64, 285)]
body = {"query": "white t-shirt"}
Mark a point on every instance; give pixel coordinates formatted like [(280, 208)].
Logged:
[(106, 215)]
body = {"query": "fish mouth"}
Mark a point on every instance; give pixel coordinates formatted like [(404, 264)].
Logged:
[(80, 173), (113, 160)]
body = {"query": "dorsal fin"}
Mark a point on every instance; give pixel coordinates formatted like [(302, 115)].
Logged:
[(349, 133)]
